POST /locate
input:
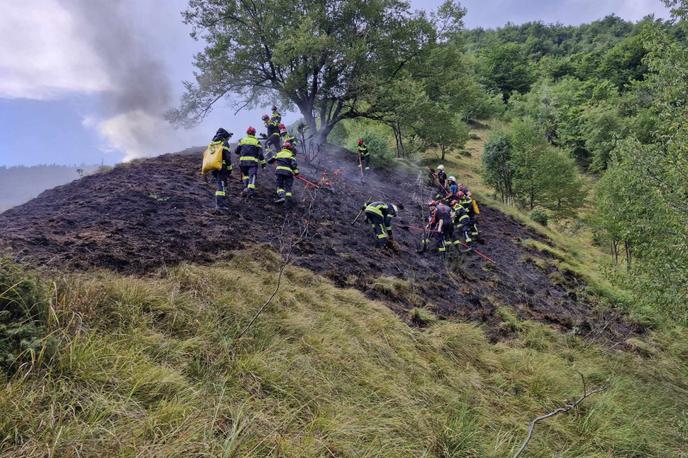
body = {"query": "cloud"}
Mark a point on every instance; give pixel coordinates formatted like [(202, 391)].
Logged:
[(55, 48), (42, 55)]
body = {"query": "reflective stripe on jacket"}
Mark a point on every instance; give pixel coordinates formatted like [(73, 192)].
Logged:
[(250, 150), (286, 163)]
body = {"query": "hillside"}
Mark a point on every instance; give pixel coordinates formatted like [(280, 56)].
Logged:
[(157, 213), (143, 291)]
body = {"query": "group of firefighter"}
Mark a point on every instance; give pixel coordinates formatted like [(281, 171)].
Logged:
[(452, 222), (281, 151), (453, 212), (281, 146)]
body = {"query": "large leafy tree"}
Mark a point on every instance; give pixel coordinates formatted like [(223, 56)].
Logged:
[(324, 57), (642, 197)]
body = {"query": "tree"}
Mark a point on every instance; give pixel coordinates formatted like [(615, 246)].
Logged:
[(324, 57), (497, 168), (505, 67), (543, 175), (442, 129)]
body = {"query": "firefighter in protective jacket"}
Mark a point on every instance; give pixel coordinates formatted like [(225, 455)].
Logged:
[(440, 224), (285, 171), (363, 156), (251, 156), (222, 176), (273, 137), (379, 215)]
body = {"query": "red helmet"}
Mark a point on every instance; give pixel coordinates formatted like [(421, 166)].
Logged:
[(282, 127), (251, 131), (360, 141), (460, 194), (433, 203), (265, 117), (287, 145)]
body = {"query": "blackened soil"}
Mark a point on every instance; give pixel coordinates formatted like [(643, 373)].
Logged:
[(159, 212)]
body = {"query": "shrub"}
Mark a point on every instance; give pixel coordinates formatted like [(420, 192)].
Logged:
[(23, 313), (539, 215)]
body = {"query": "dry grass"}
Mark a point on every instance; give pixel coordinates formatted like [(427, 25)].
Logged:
[(149, 367)]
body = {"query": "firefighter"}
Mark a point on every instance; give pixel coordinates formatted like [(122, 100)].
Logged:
[(440, 224), (379, 215), (221, 176), (273, 136), (285, 172), (441, 177), (275, 117), (250, 154), (285, 136), (363, 157), (462, 223), (453, 186), (471, 207)]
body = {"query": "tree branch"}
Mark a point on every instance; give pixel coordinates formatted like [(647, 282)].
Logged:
[(564, 409)]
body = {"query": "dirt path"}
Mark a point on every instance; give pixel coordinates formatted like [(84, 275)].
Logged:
[(158, 212)]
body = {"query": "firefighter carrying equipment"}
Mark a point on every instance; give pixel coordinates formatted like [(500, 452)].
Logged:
[(217, 160), (216, 155), (471, 206), (250, 154), (379, 215), (212, 158), (285, 171)]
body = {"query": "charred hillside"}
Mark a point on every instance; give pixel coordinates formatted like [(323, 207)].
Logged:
[(158, 212)]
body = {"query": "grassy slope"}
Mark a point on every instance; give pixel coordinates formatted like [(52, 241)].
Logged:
[(149, 367)]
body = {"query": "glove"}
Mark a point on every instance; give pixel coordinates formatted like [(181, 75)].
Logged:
[(296, 172)]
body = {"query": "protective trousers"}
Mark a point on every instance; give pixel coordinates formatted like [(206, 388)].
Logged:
[(365, 163), (284, 184), (248, 177), (462, 228), (379, 225), (443, 238), (274, 141), (221, 176)]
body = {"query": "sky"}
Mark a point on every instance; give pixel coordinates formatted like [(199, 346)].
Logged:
[(88, 81)]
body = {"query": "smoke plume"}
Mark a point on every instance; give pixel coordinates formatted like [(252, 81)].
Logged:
[(133, 109)]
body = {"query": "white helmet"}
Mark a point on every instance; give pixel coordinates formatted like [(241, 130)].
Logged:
[(451, 178), (440, 167), (396, 209)]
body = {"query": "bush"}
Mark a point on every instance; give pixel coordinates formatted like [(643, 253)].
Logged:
[(377, 138), (539, 215), (23, 313)]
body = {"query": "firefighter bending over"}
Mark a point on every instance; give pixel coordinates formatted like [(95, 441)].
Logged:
[(379, 215)]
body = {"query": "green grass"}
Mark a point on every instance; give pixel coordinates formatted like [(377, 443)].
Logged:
[(150, 367)]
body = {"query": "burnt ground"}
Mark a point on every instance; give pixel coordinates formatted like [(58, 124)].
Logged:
[(159, 212)]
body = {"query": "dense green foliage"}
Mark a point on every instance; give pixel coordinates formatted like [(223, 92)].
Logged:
[(23, 313), (612, 96), (522, 165)]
